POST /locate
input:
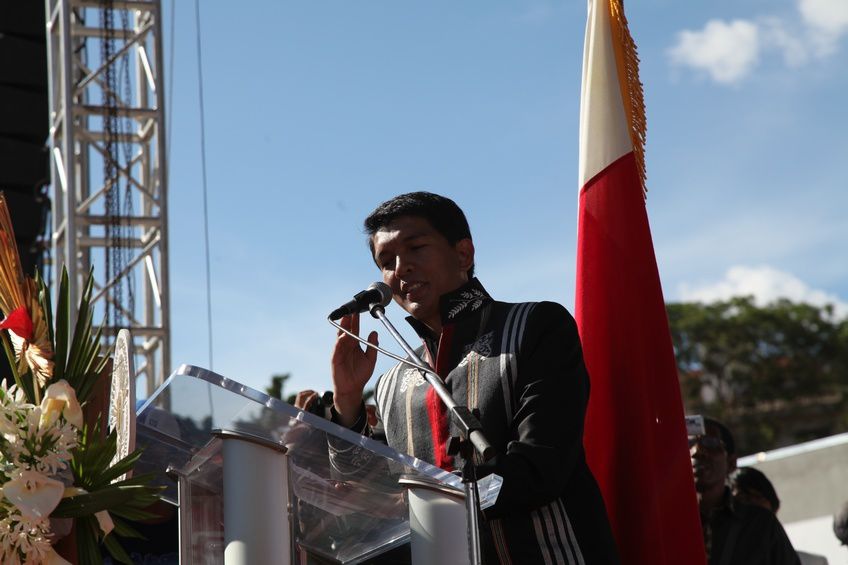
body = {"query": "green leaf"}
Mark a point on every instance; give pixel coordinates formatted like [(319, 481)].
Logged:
[(105, 498), (124, 530), (123, 466), (102, 453), (88, 550), (115, 550), (81, 346), (145, 480), (63, 314), (46, 305), (133, 514)]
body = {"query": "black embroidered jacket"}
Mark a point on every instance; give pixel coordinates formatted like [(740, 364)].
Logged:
[(522, 366)]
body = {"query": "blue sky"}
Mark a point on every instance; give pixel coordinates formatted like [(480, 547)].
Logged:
[(318, 111)]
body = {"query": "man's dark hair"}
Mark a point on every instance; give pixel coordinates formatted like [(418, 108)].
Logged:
[(726, 436), (748, 479), (443, 214)]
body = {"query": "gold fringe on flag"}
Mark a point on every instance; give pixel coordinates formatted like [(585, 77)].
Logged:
[(627, 61)]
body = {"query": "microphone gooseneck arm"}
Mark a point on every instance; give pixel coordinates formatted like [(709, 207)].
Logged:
[(385, 352)]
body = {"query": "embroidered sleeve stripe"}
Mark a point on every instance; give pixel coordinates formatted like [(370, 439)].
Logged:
[(516, 331), (558, 536), (506, 376), (542, 538), (557, 528), (385, 394), (552, 538), (574, 545), (522, 325), (379, 388), (410, 431), (499, 538)]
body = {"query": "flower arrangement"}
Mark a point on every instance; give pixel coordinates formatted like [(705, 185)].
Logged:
[(56, 472)]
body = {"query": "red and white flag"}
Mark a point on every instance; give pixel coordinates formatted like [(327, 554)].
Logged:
[(635, 434)]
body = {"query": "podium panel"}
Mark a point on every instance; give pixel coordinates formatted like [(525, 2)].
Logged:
[(346, 504)]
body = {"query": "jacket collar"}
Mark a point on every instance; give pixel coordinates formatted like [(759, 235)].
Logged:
[(455, 306), (728, 503)]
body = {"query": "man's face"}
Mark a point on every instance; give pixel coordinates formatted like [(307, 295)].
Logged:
[(419, 265), (710, 461)]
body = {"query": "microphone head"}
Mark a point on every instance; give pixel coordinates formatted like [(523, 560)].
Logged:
[(385, 292)]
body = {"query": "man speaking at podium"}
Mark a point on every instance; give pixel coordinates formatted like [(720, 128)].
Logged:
[(521, 365)]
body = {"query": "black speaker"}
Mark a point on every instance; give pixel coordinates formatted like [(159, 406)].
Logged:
[(24, 124)]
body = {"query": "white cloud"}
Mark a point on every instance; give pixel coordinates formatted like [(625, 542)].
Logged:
[(827, 21), (766, 284), (727, 51), (730, 51), (777, 36), (828, 15)]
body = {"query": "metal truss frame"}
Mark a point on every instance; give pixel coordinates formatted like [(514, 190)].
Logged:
[(79, 235)]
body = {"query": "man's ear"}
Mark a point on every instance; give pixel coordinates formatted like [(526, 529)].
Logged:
[(731, 463), (465, 251)]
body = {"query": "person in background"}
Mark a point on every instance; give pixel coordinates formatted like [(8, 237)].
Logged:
[(735, 533), (751, 486)]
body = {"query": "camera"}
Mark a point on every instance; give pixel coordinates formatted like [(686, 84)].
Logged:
[(321, 406)]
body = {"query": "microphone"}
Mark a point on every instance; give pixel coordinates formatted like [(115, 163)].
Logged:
[(377, 293)]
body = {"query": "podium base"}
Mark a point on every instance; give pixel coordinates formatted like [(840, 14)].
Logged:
[(256, 500), (437, 524)]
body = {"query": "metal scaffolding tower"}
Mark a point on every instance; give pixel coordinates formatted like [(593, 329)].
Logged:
[(107, 143)]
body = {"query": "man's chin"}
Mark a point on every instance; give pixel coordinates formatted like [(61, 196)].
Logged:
[(704, 484), (410, 308), (415, 309)]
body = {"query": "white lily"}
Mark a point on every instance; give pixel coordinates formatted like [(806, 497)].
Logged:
[(35, 495), (60, 398)]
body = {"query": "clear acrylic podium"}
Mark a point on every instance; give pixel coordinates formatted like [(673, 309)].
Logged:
[(253, 475)]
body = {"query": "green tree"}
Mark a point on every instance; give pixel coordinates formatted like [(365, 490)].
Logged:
[(278, 385), (776, 375)]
